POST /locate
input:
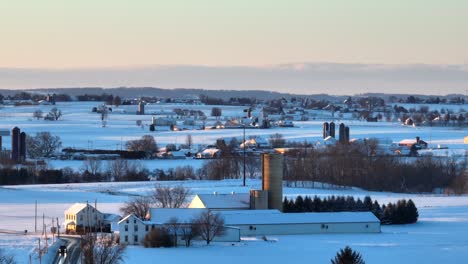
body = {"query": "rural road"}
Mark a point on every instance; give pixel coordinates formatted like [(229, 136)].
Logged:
[(73, 251)]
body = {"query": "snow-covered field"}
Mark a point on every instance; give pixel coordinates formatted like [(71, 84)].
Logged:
[(440, 236), (80, 128)]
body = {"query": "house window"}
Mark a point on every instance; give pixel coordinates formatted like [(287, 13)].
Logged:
[(146, 228), (81, 217), (126, 228), (126, 238), (134, 221), (135, 238), (136, 228), (127, 221)]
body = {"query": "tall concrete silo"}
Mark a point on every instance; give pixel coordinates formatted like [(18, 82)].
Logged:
[(332, 129), (272, 179), (325, 130), (15, 144), (342, 133), (22, 147)]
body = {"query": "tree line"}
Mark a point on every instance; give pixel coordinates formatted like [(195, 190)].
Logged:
[(362, 165), (401, 212)]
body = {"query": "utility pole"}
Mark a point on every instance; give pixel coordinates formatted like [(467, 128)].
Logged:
[(244, 153), (35, 219)]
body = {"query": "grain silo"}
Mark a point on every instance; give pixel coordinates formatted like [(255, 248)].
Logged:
[(258, 199), (332, 129), (22, 147), (15, 144), (272, 179)]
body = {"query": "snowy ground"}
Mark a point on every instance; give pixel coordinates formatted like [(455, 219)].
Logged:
[(81, 128), (440, 236)]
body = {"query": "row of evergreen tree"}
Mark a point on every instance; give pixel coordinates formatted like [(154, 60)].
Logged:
[(401, 212)]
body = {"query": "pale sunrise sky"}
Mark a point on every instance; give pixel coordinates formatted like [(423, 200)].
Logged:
[(42, 41)]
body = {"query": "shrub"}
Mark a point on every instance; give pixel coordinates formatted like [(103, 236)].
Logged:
[(158, 237)]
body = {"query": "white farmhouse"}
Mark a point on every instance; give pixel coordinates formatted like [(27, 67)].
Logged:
[(133, 230), (82, 215)]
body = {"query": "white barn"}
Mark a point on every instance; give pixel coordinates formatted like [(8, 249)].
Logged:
[(215, 201), (273, 222)]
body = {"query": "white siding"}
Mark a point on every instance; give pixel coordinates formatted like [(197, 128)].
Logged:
[(131, 223), (314, 228)]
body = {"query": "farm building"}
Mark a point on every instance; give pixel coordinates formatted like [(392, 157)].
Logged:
[(273, 222), (80, 216), (215, 201), (133, 230)]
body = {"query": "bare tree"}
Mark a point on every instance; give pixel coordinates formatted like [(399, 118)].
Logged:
[(92, 165), (54, 114), (216, 111), (277, 140), (146, 144), (170, 197), (117, 101), (189, 230), (43, 144), (139, 206), (102, 250), (189, 141), (174, 226), (104, 113), (209, 225), (117, 169), (38, 114)]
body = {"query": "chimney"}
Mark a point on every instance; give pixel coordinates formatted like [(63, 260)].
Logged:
[(417, 140)]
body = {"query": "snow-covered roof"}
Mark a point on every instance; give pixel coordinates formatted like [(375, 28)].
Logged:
[(111, 217), (266, 217), (225, 201), (130, 216), (76, 208), (164, 215)]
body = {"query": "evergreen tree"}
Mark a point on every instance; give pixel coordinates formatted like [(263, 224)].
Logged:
[(350, 203), (299, 204), (347, 256), (411, 212), (308, 204), (367, 203), (376, 210), (317, 204), (286, 207)]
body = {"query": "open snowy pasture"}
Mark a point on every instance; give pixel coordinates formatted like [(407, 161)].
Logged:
[(440, 236), (80, 128)]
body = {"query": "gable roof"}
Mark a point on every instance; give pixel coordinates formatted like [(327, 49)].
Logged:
[(76, 208), (128, 217), (164, 215), (266, 217), (225, 201)]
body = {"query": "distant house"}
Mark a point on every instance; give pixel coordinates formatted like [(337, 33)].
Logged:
[(209, 153), (215, 201), (81, 216)]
